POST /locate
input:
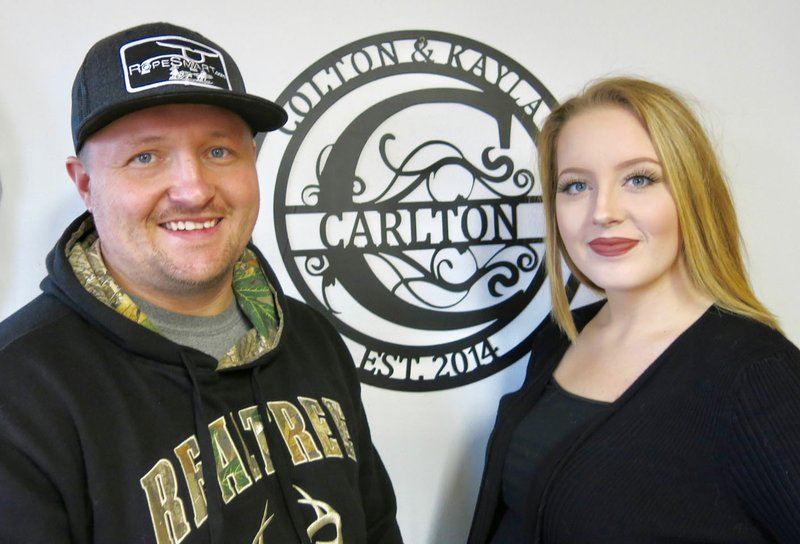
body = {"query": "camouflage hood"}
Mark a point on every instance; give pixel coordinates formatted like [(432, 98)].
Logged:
[(256, 295)]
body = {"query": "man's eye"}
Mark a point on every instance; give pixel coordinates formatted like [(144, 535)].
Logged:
[(143, 158), (219, 152)]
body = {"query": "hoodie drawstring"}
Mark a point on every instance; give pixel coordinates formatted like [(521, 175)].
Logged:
[(213, 499), (279, 462)]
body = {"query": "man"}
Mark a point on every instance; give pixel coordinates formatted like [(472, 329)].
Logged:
[(162, 389)]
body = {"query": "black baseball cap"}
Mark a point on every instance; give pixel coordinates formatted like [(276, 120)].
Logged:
[(155, 64)]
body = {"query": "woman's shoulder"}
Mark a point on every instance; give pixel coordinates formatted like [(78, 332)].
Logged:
[(724, 347), (742, 335)]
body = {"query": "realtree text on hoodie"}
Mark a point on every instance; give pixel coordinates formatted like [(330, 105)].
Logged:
[(110, 432)]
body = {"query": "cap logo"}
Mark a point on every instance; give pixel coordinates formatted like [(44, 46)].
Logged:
[(172, 60)]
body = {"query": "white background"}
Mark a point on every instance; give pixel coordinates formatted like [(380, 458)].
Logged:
[(736, 59)]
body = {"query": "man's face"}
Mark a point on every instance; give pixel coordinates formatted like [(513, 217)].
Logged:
[(174, 195)]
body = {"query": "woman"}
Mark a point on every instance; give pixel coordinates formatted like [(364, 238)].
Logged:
[(670, 410)]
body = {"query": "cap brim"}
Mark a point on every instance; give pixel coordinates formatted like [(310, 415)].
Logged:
[(261, 114)]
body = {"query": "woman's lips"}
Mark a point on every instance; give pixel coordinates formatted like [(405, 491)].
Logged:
[(612, 247)]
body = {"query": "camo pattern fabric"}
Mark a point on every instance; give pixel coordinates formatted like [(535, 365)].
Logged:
[(253, 292)]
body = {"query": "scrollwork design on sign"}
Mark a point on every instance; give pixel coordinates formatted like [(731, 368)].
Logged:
[(319, 266), (434, 156), (310, 193), (453, 275)]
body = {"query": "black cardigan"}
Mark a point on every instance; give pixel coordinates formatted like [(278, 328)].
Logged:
[(703, 447)]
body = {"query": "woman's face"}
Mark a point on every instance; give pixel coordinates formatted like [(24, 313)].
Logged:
[(614, 210)]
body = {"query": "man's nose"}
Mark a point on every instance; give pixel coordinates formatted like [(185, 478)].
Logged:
[(191, 185)]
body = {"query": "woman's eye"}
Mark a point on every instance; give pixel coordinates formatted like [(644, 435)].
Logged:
[(639, 181), (573, 187)]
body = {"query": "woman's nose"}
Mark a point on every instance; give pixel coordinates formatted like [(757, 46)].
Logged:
[(607, 206)]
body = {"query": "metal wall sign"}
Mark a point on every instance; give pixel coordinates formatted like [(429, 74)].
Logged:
[(407, 209)]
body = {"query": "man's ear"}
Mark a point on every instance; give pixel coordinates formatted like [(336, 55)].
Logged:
[(80, 177)]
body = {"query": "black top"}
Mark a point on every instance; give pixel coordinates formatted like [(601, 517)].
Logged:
[(703, 447), (556, 415)]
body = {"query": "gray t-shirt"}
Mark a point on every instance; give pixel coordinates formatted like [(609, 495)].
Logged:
[(214, 335)]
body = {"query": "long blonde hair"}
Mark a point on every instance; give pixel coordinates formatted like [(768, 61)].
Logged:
[(711, 240)]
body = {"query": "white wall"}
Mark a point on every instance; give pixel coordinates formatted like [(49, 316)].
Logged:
[(738, 59)]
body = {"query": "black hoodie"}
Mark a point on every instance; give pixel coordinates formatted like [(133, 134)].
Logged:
[(111, 433)]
